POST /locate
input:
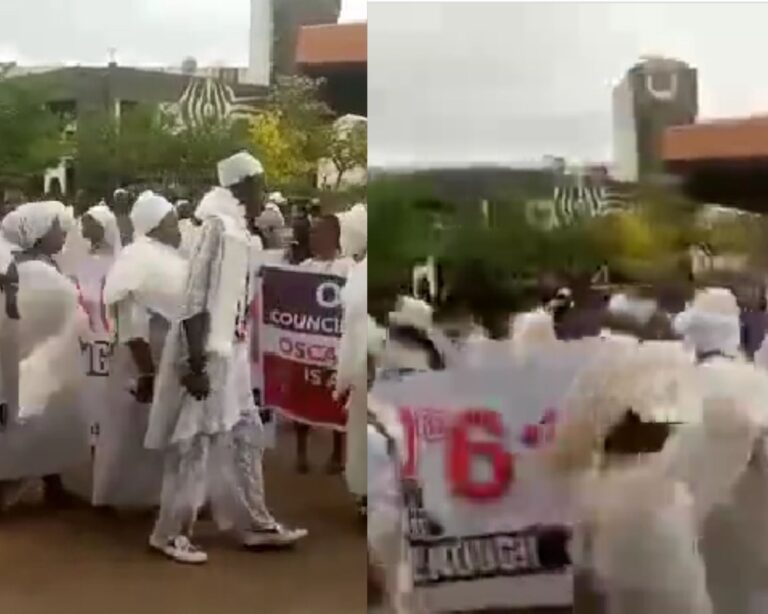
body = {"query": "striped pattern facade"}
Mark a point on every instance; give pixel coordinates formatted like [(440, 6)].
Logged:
[(209, 99), (578, 198)]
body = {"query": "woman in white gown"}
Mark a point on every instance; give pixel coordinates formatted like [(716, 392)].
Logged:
[(141, 294), (50, 433), (87, 265)]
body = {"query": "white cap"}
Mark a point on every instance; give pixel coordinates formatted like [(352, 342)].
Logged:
[(234, 169), (148, 211)]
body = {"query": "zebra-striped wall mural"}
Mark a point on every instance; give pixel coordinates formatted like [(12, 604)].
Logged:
[(210, 99)]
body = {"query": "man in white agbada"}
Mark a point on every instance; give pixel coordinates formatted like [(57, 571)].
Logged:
[(203, 416), (50, 433), (735, 535), (141, 296)]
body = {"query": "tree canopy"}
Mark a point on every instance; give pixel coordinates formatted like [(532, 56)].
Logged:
[(30, 135)]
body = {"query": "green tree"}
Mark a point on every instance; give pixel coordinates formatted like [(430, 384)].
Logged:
[(291, 133), (30, 135), (348, 149), (148, 146)]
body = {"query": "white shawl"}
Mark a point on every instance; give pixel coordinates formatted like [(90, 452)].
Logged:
[(152, 273), (233, 263)]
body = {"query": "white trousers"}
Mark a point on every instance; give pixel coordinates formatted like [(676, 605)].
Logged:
[(224, 468)]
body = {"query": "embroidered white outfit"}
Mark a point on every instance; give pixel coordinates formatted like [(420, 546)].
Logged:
[(213, 446)]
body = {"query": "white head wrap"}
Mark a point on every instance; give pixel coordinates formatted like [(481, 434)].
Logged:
[(30, 222), (234, 169), (148, 211), (104, 216), (711, 322)]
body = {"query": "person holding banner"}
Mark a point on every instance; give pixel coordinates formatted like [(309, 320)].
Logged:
[(49, 434), (325, 244), (141, 295), (203, 417)]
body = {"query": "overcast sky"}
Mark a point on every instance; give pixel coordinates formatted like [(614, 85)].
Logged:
[(475, 81), (159, 32)]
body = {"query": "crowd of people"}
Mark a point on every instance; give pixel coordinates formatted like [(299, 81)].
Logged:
[(661, 439), (126, 344)]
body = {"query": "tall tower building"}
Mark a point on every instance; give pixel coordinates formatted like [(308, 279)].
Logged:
[(274, 33), (656, 93), (262, 36)]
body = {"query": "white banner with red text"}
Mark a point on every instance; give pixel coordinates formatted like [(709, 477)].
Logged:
[(487, 525)]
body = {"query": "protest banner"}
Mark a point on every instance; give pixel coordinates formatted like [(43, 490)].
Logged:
[(300, 328), (486, 524)]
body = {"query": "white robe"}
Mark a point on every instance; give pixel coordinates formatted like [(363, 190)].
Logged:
[(176, 416), (144, 287), (51, 432)]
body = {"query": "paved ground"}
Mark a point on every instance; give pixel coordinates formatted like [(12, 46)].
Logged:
[(82, 562)]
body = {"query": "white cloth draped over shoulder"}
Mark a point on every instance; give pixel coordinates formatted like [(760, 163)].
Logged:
[(151, 274)]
